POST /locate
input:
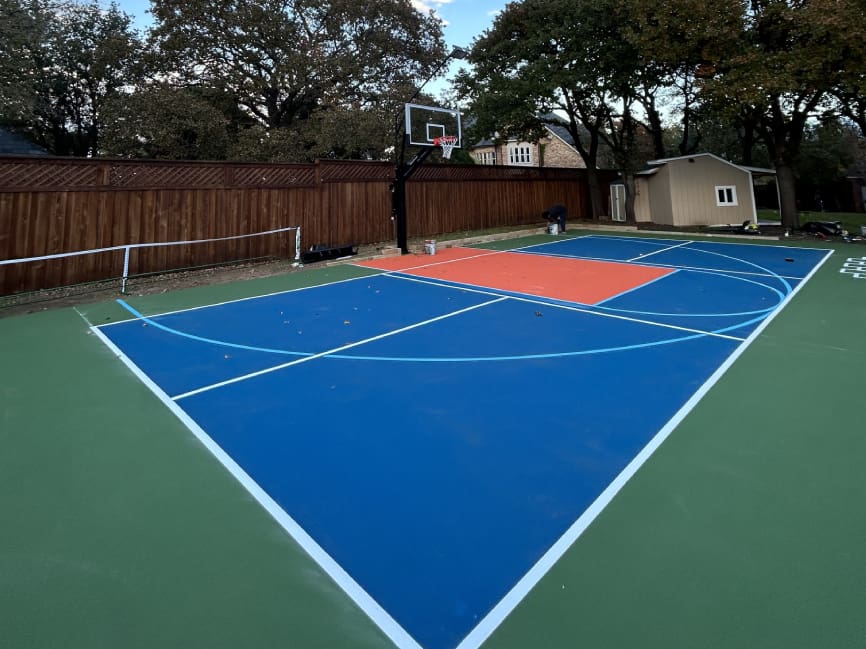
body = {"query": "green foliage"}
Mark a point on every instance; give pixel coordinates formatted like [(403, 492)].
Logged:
[(164, 122), (60, 64), (788, 60), (257, 79), (338, 133), (543, 57), (829, 150), (293, 80), (849, 91), (677, 42), (738, 76), (322, 71), (461, 157)]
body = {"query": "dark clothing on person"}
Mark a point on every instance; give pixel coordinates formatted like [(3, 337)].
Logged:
[(557, 214)]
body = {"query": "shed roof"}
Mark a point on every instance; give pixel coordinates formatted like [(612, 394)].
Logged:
[(753, 170)]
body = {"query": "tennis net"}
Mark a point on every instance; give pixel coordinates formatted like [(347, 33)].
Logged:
[(123, 263)]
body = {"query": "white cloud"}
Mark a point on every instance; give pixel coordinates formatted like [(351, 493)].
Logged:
[(429, 5)]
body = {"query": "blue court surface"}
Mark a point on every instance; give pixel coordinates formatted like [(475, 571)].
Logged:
[(437, 446)]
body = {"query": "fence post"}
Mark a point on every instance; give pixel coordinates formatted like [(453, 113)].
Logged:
[(125, 269)]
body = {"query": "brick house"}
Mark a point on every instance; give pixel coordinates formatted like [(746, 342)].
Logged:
[(555, 149)]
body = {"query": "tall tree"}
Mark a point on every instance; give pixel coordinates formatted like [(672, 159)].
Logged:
[(161, 121), (850, 92), (286, 62), (783, 70), (61, 64), (675, 39), (773, 65), (829, 152), (23, 29), (567, 57)]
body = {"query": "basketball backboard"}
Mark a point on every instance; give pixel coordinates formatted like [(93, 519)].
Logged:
[(426, 123)]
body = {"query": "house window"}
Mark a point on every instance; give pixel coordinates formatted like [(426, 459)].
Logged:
[(726, 195), (486, 157), (520, 154)]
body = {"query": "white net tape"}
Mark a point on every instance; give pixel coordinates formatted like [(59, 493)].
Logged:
[(128, 248)]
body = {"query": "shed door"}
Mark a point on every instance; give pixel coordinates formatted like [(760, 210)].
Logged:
[(617, 202)]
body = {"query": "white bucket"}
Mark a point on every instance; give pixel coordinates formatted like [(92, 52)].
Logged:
[(430, 246), (553, 228)]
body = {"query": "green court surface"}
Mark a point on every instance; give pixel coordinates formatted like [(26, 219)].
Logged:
[(745, 529)]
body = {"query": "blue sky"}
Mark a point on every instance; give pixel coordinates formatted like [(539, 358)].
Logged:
[(463, 21)]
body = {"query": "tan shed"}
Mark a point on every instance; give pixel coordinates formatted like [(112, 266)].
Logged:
[(700, 189)]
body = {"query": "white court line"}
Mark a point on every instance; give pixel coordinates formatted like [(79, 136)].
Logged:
[(619, 237), (650, 264), (335, 350), (445, 262), (549, 243), (656, 252), (697, 269), (641, 286), (355, 592), (711, 240), (589, 311), (520, 590), (380, 617), (249, 297), (518, 297)]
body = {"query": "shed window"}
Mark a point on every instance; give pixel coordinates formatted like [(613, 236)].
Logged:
[(726, 195)]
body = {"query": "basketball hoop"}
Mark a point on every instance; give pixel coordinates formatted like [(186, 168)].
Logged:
[(447, 142)]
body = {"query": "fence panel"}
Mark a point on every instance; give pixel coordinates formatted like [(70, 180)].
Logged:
[(60, 205)]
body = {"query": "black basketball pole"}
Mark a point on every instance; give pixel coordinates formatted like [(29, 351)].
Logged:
[(403, 171)]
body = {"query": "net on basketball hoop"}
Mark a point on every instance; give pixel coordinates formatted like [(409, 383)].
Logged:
[(447, 142)]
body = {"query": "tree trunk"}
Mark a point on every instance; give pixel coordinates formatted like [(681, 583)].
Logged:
[(596, 201), (589, 155), (656, 128), (630, 194), (787, 195)]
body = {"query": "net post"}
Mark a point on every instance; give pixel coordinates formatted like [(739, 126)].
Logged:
[(126, 250), (297, 245)]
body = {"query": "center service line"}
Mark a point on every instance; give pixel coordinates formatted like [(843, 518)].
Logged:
[(336, 350)]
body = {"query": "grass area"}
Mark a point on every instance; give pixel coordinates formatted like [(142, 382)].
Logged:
[(851, 221)]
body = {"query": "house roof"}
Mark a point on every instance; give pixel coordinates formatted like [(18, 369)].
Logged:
[(13, 144), (754, 170), (560, 131), (555, 127)]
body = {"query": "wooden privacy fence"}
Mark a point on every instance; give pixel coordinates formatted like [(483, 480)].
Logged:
[(50, 206)]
